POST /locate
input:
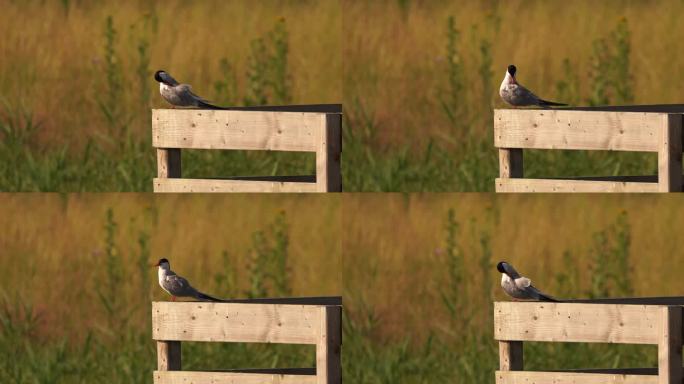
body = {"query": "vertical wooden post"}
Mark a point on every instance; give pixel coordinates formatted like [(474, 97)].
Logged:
[(328, 348), (670, 154), (168, 163), (328, 173), (510, 355), (670, 346), (168, 355), (510, 163)]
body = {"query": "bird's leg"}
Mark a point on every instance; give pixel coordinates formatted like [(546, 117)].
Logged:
[(173, 298)]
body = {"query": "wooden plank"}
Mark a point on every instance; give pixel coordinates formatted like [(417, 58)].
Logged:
[(247, 130), (535, 377), (169, 355), (591, 130), (564, 186), (670, 346), (328, 348), (670, 154), (168, 163), (227, 185), (567, 322), (328, 172), (193, 377), (510, 163), (232, 322), (511, 355)]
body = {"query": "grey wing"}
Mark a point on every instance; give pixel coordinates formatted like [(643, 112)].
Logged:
[(178, 286), (189, 97), (524, 96)]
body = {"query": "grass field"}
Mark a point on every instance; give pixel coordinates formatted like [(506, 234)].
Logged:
[(418, 81), (75, 296), (417, 273), (420, 277)]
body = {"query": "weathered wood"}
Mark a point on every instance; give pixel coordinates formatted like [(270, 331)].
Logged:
[(598, 323), (591, 130), (328, 348), (169, 355), (190, 377), (231, 322), (328, 174), (531, 377), (246, 130), (510, 163), (228, 185), (168, 163), (670, 154), (670, 346), (567, 185), (511, 355)]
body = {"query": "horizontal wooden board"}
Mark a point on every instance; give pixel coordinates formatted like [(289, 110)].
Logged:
[(572, 185), (195, 377), (230, 185), (590, 130), (569, 322), (233, 322), (532, 377), (246, 130)]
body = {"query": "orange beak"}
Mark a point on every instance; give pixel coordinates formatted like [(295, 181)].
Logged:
[(154, 265)]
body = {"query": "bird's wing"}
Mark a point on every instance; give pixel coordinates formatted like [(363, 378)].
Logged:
[(186, 92), (178, 286), (523, 282), (523, 94)]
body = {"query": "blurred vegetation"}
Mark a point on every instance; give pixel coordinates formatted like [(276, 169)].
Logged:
[(420, 277), (74, 318)]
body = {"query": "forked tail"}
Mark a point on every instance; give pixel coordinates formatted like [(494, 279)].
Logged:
[(546, 103)]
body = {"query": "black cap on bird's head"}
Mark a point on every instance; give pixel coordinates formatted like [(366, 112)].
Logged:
[(161, 261), (158, 77), (512, 69), (500, 267)]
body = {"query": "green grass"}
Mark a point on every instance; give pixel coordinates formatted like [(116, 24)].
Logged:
[(119, 158), (120, 349)]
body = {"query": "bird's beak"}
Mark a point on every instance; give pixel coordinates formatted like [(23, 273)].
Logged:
[(154, 265)]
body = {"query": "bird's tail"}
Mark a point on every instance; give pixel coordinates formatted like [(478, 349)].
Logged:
[(205, 297), (206, 105), (543, 297), (546, 103)]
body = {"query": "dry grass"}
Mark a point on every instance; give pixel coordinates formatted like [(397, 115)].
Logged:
[(54, 252), (53, 56), (394, 258), (394, 61)]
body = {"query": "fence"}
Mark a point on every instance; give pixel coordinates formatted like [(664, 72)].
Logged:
[(306, 128), (655, 321), (312, 321), (650, 128)]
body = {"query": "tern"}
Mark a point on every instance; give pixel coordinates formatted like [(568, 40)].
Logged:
[(519, 287), (519, 96), (177, 286), (179, 95)]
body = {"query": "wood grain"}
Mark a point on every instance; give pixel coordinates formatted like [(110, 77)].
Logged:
[(328, 348), (568, 185), (569, 322), (565, 129), (246, 130), (227, 185), (529, 377), (230, 322), (190, 377)]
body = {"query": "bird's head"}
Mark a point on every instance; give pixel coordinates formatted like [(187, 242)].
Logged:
[(501, 266), (511, 70), (162, 263), (159, 76)]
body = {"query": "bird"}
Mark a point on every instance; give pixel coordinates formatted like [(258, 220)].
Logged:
[(178, 286), (519, 96), (179, 95), (519, 287)]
